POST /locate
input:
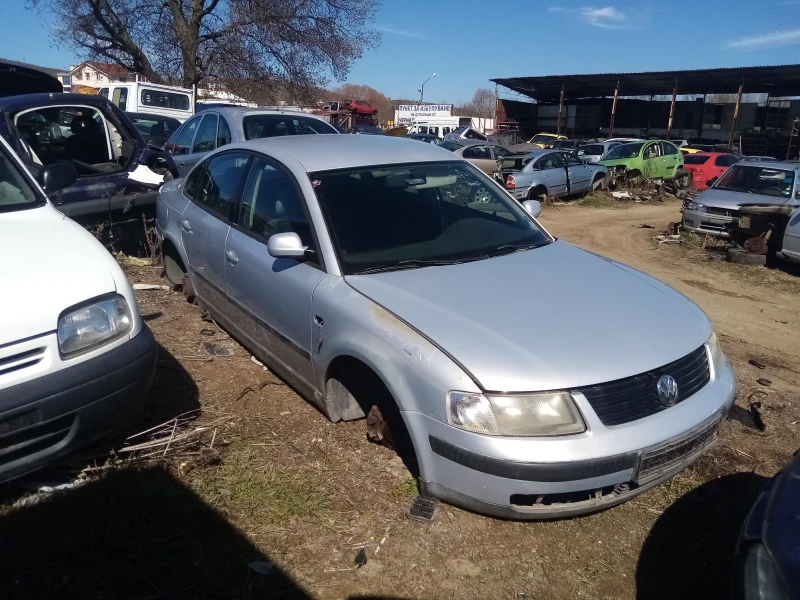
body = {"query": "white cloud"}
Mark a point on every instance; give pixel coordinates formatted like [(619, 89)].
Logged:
[(395, 31), (775, 38), (604, 17)]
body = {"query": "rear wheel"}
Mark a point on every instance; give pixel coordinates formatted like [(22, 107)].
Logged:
[(173, 268), (538, 193)]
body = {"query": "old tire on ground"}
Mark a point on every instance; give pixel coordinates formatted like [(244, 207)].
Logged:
[(740, 257)]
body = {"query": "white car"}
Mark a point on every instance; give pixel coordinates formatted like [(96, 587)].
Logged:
[(75, 357)]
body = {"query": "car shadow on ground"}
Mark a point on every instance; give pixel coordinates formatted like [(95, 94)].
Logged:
[(689, 551)]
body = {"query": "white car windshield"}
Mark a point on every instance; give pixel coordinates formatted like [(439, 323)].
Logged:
[(425, 214), (757, 180), (16, 193)]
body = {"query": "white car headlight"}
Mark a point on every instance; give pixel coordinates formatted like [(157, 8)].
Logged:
[(540, 414), (86, 327), (717, 356), (696, 207)]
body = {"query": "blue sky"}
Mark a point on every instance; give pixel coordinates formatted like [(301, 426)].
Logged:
[(467, 42)]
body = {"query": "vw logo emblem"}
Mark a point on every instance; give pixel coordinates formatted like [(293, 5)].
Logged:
[(667, 390)]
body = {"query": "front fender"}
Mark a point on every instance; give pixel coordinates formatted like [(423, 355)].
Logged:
[(416, 372)]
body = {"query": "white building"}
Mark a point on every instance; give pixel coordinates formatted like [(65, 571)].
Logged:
[(96, 74)]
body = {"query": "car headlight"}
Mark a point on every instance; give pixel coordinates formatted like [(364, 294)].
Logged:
[(696, 207), (761, 578), (540, 414), (717, 356), (88, 326)]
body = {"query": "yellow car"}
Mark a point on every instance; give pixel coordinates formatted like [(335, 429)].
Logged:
[(545, 140), (686, 150)]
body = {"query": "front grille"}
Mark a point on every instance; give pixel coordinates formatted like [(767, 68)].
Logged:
[(636, 397), (22, 360), (26, 435), (718, 211), (662, 459)]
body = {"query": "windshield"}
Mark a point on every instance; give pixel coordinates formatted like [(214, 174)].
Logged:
[(16, 193), (593, 150), (624, 151), (409, 216), (265, 126), (542, 139), (757, 180), (695, 159), (373, 129)]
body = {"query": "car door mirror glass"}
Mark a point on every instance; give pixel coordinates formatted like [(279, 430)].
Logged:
[(57, 177), (286, 245), (534, 207)]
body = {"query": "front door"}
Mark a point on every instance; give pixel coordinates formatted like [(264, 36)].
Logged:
[(554, 174), (578, 173), (271, 297), (480, 156), (205, 224), (653, 162)]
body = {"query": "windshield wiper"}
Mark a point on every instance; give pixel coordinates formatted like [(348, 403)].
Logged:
[(408, 264), (511, 248)]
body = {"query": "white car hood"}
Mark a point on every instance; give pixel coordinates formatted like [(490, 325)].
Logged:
[(48, 263)]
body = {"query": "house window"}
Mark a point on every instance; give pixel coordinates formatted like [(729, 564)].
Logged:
[(97, 76), (66, 79)]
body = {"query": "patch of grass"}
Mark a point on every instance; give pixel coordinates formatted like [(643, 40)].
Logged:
[(408, 488), (599, 200), (250, 489)]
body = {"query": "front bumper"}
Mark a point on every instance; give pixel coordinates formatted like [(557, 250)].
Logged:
[(48, 417), (706, 223), (546, 478)]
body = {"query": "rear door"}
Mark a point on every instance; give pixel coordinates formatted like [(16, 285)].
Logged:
[(481, 156), (672, 159), (554, 173), (213, 188), (653, 165)]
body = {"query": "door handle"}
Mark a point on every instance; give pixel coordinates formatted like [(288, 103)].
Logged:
[(186, 226), (231, 256)]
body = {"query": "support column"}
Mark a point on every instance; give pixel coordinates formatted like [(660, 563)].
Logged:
[(613, 111), (560, 111), (736, 116), (672, 109)]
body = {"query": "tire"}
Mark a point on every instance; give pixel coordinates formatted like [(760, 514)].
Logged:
[(597, 184), (740, 257), (173, 269)]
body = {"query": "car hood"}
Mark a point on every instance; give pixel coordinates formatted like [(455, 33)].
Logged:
[(49, 263), (733, 200), (550, 318)]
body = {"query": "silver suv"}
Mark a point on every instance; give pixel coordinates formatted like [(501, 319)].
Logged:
[(362, 271)]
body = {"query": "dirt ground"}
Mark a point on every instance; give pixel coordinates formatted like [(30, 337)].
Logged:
[(285, 486)]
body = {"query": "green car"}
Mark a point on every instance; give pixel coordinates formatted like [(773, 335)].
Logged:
[(652, 159)]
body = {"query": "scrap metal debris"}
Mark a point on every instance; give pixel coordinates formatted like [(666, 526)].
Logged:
[(764, 382), (755, 414), (150, 286), (758, 365), (424, 509), (361, 558), (216, 350)]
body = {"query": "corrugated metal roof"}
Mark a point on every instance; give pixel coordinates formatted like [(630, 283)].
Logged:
[(778, 81)]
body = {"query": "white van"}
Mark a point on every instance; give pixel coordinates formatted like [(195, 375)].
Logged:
[(152, 98), (439, 127)]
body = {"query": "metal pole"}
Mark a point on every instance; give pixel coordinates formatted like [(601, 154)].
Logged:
[(672, 109), (496, 106), (560, 111), (736, 116), (613, 111)]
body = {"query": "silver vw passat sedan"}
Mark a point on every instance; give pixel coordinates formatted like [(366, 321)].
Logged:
[(524, 377)]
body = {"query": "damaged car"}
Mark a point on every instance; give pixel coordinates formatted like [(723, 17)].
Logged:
[(542, 173), (359, 270), (656, 159), (76, 359), (117, 170)]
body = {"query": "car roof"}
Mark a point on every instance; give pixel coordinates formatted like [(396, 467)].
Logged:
[(246, 111), (767, 164), (331, 152)]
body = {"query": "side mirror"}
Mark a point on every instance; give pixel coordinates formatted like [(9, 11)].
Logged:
[(711, 182), (57, 176), (534, 207), (286, 245)]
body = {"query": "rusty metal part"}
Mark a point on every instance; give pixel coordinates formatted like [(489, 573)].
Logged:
[(672, 229), (756, 245), (378, 429)]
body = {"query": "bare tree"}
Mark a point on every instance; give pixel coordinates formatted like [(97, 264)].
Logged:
[(481, 105), (291, 43)]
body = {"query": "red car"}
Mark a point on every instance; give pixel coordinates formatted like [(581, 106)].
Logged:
[(360, 106), (706, 166)]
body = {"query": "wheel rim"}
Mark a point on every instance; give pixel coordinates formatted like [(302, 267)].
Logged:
[(482, 195)]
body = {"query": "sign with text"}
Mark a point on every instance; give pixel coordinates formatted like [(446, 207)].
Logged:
[(410, 112)]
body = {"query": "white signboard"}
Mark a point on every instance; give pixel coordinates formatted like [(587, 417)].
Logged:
[(406, 113)]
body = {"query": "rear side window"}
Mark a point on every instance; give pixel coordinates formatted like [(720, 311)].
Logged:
[(266, 126), (695, 159), (669, 148), (476, 152), (162, 99), (206, 135), (452, 146), (593, 150), (220, 181)]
